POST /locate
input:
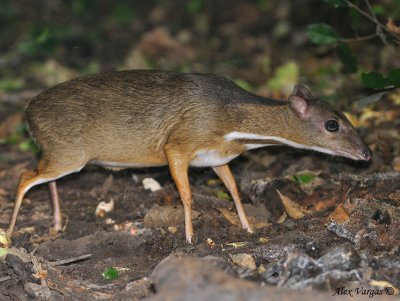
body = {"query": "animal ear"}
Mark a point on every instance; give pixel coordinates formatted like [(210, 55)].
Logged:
[(302, 91), (299, 105)]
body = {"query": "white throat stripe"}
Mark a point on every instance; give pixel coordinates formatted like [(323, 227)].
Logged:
[(239, 135)]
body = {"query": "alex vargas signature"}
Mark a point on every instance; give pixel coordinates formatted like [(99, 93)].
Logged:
[(341, 291)]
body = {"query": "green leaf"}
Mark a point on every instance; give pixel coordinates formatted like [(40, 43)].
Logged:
[(355, 18), (374, 80), (285, 75), (223, 195), (336, 3), (110, 274), (3, 252), (304, 177), (378, 9), (321, 34), (394, 77), (347, 58)]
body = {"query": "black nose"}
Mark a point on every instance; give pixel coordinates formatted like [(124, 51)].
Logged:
[(367, 154)]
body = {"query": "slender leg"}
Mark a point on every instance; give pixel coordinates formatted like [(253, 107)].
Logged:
[(46, 173), (28, 180), (179, 171), (225, 174), (57, 217)]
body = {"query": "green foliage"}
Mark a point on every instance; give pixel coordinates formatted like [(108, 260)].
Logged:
[(304, 177), (324, 34), (284, 75), (40, 41), (347, 57), (375, 80), (11, 84), (195, 6), (6, 11), (123, 13), (110, 274), (321, 34), (223, 195)]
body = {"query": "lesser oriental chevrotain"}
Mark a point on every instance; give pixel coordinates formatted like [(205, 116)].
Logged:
[(144, 118)]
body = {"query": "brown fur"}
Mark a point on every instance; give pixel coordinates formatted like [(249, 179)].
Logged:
[(152, 118)]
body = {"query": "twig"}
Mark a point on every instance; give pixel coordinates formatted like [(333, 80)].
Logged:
[(380, 27), (371, 36), (70, 260), (2, 279)]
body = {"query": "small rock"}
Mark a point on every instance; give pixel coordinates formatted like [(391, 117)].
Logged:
[(161, 216), (342, 257), (151, 184), (37, 291), (139, 288)]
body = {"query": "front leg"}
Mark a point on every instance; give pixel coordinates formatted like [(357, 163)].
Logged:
[(225, 174), (178, 166)]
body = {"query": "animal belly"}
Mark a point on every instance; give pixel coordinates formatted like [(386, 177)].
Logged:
[(206, 158), (122, 165)]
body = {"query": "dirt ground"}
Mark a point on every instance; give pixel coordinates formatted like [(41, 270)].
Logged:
[(348, 236)]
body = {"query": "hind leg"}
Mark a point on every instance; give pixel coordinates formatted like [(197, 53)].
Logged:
[(46, 172)]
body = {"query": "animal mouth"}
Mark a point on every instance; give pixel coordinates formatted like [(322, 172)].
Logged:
[(355, 156)]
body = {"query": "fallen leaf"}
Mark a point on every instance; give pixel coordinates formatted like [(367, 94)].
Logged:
[(213, 182), (324, 204), (293, 209), (263, 240), (244, 260), (103, 208), (339, 215), (151, 184), (5, 241), (223, 195), (172, 229), (238, 244), (233, 218), (282, 218), (166, 216), (392, 27), (385, 285)]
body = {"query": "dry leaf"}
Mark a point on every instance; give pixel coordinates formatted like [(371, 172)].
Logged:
[(293, 209), (385, 284), (339, 215), (233, 218), (282, 218), (172, 229), (244, 260), (238, 244), (392, 27)]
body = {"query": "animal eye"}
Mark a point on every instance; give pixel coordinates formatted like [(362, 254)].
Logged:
[(332, 126)]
